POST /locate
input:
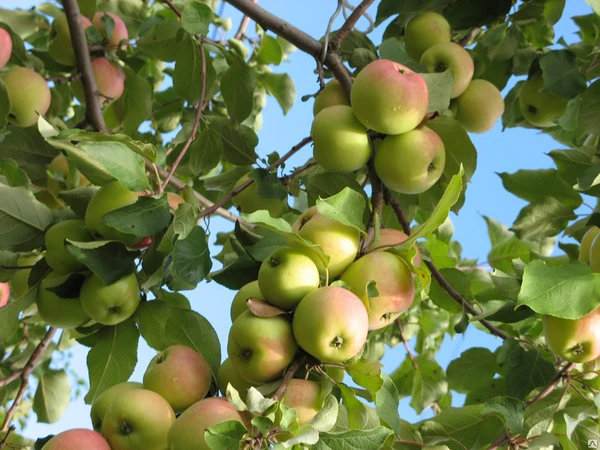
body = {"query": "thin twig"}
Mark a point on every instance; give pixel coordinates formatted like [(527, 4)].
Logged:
[(289, 374), (174, 8), (4, 441), (393, 202), (417, 444), (286, 179), (336, 42), (64, 80), (468, 39), (243, 25), (413, 358)]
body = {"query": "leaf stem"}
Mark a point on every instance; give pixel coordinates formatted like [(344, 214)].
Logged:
[(289, 374)]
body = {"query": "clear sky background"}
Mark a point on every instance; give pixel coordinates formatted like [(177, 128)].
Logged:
[(497, 152)]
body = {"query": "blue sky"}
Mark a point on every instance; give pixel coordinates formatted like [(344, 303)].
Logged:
[(497, 152)]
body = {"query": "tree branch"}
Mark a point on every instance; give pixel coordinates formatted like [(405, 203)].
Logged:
[(243, 25), (336, 42), (289, 374), (376, 202), (411, 355), (4, 441), (174, 8)]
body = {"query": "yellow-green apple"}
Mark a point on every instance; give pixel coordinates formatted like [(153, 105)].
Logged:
[(119, 32), (249, 200), (5, 47), (60, 166), (187, 433), (305, 397), (110, 304), (102, 403), (61, 48), (389, 98), (390, 237), (260, 348), (19, 282), (110, 80), (77, 439), (138, 419), (540, 108), (586, 243), (58, 311), (575, 341), (238, 305), (57, 255), (394, 282), (424, 31), (227, 375), (479, 107), (449, 55), (337, 374), (331, 324), (29, 96), (286, 276), (412, 162), (594, 254), (174, 200), (331, 95), (340, 242), (180, 375), (4, 293), (341, 143)]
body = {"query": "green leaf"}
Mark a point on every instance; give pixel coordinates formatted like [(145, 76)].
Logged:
[(440, 89), (239, 141), (347, 207), (160, 41), (191, 257), (324, 185), (544, 217), (146, 217), (137, 101), (367, 374), (459, 147), (531, 185), (480, 365), (561, 75), (353, 440), (225, 435), (387, 404), (459, 281), (15, 176), (589, 110), (205, 152), (9, 313), (52, 396), (506, 247), (357, 411), (237, 86), (270, 51), (187, 77), (282, 87), (510, 410), (78, 199), (429, 383), (525, 370), (539, 415), (196, 17)]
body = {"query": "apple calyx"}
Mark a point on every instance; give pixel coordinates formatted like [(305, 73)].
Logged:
[(125, 428), (337, 342)]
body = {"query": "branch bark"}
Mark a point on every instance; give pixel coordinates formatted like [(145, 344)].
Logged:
[(289, 374), (336, 42)]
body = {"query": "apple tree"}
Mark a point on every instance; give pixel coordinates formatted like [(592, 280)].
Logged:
[(125, 125)]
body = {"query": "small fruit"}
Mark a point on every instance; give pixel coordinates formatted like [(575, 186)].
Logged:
[(102, 403), (5, 47), (112, 304), (110, 80), (575, 341), (388, 238), (331, 95), (249, 200), (29, 96), (60, 167), (19, 282), (77, 439), (305, 397), (228, 375), (119, 32), (57, 255), (61, 47), (449, 55), (424, 31), (4, 293), (479, 107), (586, 243), (540, 108), (58, 311), (238, 305)]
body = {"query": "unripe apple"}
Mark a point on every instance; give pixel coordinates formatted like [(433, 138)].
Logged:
[(540, 108), (586, 243), (57, 311), (110, 80), (389, 98), (412, 162), (479, 107), (594, 254), (331, 95), (238, 305), (331, 324), (61, 47), (59, 165), (4, 293), (77, 439), (5, 47), (228, 375), (119, 32), (575, 341), (57, 255), (249, 201), (110, 304), (29, 96), (103, 402), (388, 238), (19, 282), (424, 31), (305, 397), (449, 55), (341, 143)]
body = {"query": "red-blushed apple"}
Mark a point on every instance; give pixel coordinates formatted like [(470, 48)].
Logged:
[(286, 276), (424, 31), (331, 324), (586, 243), (187, 433), (57, 255), (260, 348), (59, 167), (249, 200), (479, 107), (394, 282), (180, 375), (540, 108), (5, 47), (340, 242), (449, 55), (110, 80), (390, 237), (341, 143), (389, 98), (305, 397), (29, 96), (110, 304), (575, 341), (60, 48), (412, 162), (4, 293), (138, 419), (102, 403), (77, 439), (228, 375), (238, 305), (19, 282), (119, 32), (331, 95), (57, 311)]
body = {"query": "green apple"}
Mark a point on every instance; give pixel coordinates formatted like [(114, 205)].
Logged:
[(57, 255), (340, 242), (449, 55), (331, 95), (19, 282), (540, 108), (138, 419), (388, 238), (57, 311), (180, 375), (341, 143), (187, 433), (112, 304), (594, 254), (260, 348), (5, 47), (479, 107), (227, 375), (102, 403), (331, 324), (29, 96), (575, 341), (286, 276), (61, 47), (412, 162), (59, 166), (4, 293), (424, 31), (119, 33), (249, 200), (238, 305), (389, 98), (394, 283), (77, 439), (586, 243), (337, 374), (305, 397)]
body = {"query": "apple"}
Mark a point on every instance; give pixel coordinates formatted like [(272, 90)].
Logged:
[(4, 293), (594, 254), (305, 397), (60, 166), (174, 200), (575, 341), (331, 95), (102, 403), (119, 32), (449, 55), (341, 143), (394, 282), (61, 47), (388, 238), (57, 311), (286, 276), (227, 375), (238, 305), (187, 433), (479, 107), (586, 243), (77, 439), (138, 419), (337, 374), (340, 242), (540, 108), (412, 162), (249, 200), (180, 375), (112, 304), (5, 47), (57, 255), (19, 282), (110, 80), (331, 324), (389, 98), (110, 197), (260, 348), (29, 96), (424, 31)]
